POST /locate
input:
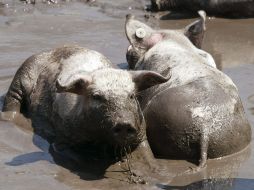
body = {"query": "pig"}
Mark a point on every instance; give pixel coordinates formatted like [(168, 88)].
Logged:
[(74, 96), (197, 114)]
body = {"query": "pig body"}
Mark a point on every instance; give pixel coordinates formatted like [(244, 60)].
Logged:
[(74, 96), (198, 113)]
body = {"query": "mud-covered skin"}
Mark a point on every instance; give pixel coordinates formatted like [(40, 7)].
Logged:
[(227, 8), (75, 97), (197, 114)]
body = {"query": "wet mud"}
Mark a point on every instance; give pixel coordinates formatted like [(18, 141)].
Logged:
[(28, 162)]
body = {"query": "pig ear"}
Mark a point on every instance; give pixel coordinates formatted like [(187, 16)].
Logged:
[(147, 79), (75, 84), (140, 36), (195, 31)]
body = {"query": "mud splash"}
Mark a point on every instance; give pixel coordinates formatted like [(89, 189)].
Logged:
[(26, 160)]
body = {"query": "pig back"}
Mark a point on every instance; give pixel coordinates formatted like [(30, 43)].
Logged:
[(177, 117)]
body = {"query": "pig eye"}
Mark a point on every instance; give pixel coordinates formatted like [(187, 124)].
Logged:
[(132, 96), (97, 97)]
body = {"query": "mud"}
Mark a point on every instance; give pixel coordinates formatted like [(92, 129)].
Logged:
[(27, 160)]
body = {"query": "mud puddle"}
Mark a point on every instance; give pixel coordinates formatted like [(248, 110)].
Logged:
[(25, 159)]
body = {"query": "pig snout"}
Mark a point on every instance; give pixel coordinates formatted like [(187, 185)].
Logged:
[(124, 132)]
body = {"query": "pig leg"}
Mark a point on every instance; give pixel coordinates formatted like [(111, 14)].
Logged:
[(14, 96), (144, 158), (145, 153), (20, 87), (13, 99)]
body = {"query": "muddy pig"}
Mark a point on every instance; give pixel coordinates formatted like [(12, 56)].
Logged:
[(74, 96), (198, 113)]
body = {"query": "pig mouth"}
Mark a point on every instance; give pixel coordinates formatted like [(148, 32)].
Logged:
[(127, 142), (124, 149)]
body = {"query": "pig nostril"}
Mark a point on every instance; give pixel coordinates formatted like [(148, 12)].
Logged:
[(116, 130), (124, 130), (130, 130)]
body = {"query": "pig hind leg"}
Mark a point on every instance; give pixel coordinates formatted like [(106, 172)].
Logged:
[(17, 95)]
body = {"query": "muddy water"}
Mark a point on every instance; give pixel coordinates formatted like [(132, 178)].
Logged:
[(25, 158)]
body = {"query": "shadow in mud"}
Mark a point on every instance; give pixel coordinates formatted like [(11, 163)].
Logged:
[(86, 166), (87, 162), (32, 157), (29, 158), (215, 184)]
